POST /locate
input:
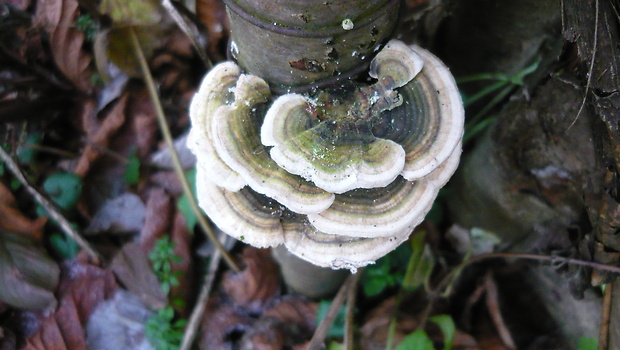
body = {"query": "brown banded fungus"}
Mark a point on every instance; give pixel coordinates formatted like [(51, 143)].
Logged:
[(340, 176)]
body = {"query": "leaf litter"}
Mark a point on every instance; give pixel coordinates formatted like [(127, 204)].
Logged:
[(248, 309)]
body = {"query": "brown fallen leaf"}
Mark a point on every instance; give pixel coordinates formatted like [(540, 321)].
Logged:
[(222, 325), (375, 329), (98, 133), (28, 276), (213, 14), (290, 322), (11, 218), (58, 17), (82, 288), (181, 237), (133, 269), (257, 284), (158, 219)]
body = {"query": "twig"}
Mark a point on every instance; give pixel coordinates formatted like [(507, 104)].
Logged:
[(64, 224), (159, 111), (201, 303), (603, 335), (318, 338), (349, 337), (590, 71), (190, 31), (495, 312), (447, 280)]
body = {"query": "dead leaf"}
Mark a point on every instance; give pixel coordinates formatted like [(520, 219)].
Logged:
[(158, 218), (121, 215), (181, 237), (98, 133), (82, 288), (133, 269), (288, 323), (28, 276), (257, 284), (146, 19), (213, 14), (222, 325), (11, 219), (118, 324), (58, 17)]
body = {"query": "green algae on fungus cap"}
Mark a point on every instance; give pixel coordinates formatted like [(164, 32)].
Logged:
[(340, 178), (235, 130), (337, 156), (407, 123)]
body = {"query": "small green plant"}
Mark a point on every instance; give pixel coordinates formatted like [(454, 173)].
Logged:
[(503, 85), (162, 256), (162, 331), (86, 24), (183, 202), (419, 340), (337, 328), (132, 169), (587, 343), (389, 271)]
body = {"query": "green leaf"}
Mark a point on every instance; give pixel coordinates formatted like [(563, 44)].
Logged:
[(448, 329), (183, 203), (132, 169), (64, 246), (337, 329), (420, 265), (335, 346), (417, 340), (26, 154), (64, 189), (587, 343)]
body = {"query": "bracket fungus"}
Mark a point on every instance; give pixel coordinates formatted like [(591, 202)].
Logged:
[(340, 176)]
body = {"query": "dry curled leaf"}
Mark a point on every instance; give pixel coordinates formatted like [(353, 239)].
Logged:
[(99, 133), (58, 18), (289, 322), (258, 283), (81, 289), (213, 14), (133, 269), (28, 276), (220, 325), (157, 221), (118, 324), (11, 219)]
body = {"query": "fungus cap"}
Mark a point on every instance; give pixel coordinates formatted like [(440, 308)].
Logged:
[(340, 178)]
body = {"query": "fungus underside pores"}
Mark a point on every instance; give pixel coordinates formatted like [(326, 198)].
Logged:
[(340, 176)]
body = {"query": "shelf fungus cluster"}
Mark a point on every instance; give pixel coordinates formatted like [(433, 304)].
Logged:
[(340, 176)]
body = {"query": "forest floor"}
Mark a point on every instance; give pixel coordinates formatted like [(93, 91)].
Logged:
[(89, 141)]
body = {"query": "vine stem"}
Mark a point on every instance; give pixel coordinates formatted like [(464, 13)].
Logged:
[(201, 304), (452, 274), (159, 111), (54, 213)]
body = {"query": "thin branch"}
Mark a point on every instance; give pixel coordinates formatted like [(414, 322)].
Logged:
[(159, 111), (51, 208), (590, 71), (495, 312), (447, 280), (349, 329), (603, 336), (190, 31), (201, 303), (318, 338)]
